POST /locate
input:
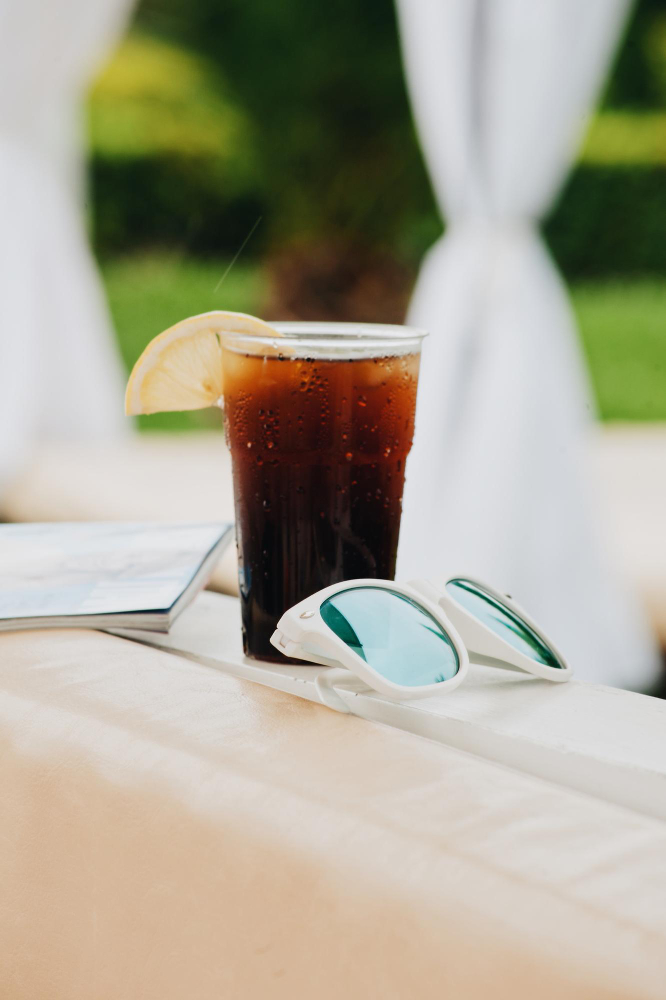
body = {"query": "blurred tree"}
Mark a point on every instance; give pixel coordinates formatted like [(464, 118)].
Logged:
[(346, 191), (640, 69), (173, 157), (611, 216)]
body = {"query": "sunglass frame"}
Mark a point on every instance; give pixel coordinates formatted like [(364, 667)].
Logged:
[(485, 646), (302, 633)]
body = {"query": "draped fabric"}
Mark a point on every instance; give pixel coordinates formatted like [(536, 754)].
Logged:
[(497, 480), (59, 372)]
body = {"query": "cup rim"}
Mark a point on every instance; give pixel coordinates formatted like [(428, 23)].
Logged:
[(332, 341), (354, 331)]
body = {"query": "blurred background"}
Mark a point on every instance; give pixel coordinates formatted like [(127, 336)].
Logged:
[(211, 119)]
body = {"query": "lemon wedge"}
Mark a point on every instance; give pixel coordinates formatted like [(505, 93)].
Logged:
[(181, 368)]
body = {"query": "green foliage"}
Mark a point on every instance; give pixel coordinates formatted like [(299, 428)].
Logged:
[(154, 98), (173, 201), (610, 221), (656, 55), (148, 293), (639, 74), (622, 326), (323, 89), (173, 158), (625, 138)]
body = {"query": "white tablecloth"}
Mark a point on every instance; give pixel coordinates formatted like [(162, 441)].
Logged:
[(169, 832)]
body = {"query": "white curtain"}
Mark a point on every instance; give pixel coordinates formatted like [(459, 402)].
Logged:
[(59, 372), (496, 483)]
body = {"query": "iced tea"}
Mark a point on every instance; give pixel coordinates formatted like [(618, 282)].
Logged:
[(318, 447)]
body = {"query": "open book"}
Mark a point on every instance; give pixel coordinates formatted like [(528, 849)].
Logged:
[(104, 575)]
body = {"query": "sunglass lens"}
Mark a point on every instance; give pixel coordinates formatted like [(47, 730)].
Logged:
[(394, 635), (502, 621)]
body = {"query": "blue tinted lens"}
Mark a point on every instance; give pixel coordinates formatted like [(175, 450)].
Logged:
[(502, 621), (393, 634)]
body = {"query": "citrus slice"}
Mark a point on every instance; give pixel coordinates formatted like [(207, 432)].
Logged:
[(181, 368)]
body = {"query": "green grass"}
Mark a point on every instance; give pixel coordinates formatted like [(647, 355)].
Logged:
[(623, 326), (148, 293)]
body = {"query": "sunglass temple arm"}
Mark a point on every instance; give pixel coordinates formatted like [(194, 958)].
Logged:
[(328, 696)]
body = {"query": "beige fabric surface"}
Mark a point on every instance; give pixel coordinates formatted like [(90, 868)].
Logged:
[(168, 832), (188, 477)]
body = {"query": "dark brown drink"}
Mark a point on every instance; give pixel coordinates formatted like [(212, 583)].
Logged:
[(318, 449)]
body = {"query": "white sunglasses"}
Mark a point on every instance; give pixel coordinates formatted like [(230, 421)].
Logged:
[(413, 640)]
